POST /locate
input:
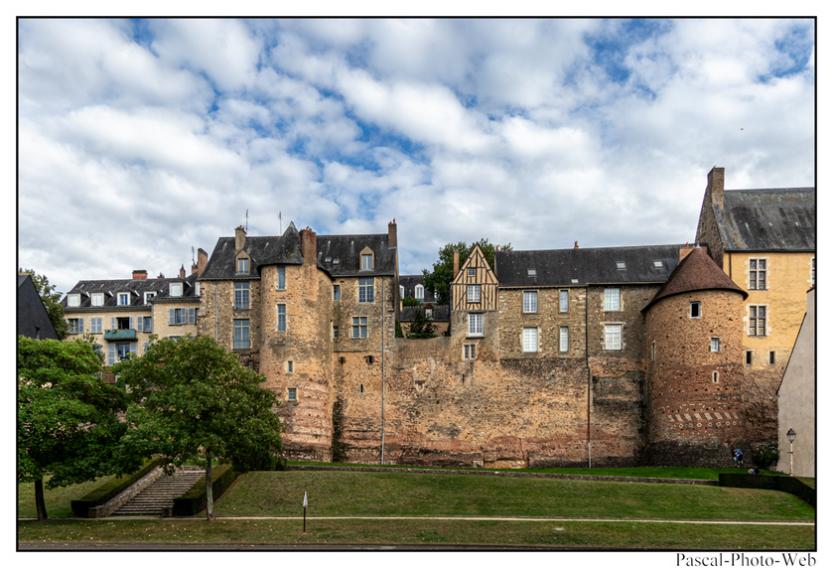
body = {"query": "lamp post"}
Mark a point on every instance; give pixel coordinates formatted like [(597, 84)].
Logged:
[(791, 438)]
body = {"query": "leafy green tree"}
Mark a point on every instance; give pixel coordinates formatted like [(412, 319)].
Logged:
[(410, 301), (421, 327), (439, 278), (51, 301), (192, 399), (68, 425)]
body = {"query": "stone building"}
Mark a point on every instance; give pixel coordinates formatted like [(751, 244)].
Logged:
[(413, 287)]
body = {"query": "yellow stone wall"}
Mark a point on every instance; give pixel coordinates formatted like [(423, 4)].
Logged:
[(106, 324), (161, 327), (788, 279)]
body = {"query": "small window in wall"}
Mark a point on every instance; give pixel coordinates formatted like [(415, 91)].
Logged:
[(419, 292), (365, 290), (653, 351), (361, 389), (281, 317), (281, 278), (530, 340), (757, 273), (73, 300), (150, 295), (749, 357), (471, 272), (335, 332), (714, 345), (757, 320), (124, 298), (292, 394), (242, 266), (473, 293), (563, 301), (97, 300), (76, 325), (95, 325), (563, 339), (613, 337), (241, 338), (772, 357), (620, 265), (715, 377), (530, 303), (531, 272), (694, 310), (360, 328), (475, 325), (469, 351), (658, 265), (612, 300), (336, 292), (429, 314), (241, 295), (290, 366)]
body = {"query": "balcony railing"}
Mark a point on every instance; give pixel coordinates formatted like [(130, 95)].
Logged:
[(120, 335)]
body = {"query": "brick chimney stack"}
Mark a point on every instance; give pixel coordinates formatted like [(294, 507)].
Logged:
[(575, 245), (714, 188), (202, 261), (239, 238), (685, 250), (456, 263), (309, 246), (182, 272), (392, 233), (140, 275)]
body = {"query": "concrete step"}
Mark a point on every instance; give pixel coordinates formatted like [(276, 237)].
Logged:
[(160, 495)]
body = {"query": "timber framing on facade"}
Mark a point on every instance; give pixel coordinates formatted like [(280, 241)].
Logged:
[(663, 354)]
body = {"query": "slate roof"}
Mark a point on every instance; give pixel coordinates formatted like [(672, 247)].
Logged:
[(283, 249), (32, 318), (768, 219), (696, 272), (586, 266), (409, 282), (136, 288), (438, 313), (339, 255)]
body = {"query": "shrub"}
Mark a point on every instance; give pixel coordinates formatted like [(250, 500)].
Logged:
[(765, 455)]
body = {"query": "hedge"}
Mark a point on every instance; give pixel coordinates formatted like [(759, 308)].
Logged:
[(776, 482), (106, 491), (194, 499)]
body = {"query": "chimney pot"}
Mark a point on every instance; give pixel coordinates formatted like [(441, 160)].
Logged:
[(715, 186), (202, 261), (140, 275), (456, 263), (239, 238), (182, 271), (685, 250), (392, 233), (309, 246), (575, 245)]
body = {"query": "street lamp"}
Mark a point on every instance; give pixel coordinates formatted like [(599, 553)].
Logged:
[(791, 438)]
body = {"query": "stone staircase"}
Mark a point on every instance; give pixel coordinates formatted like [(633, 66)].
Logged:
[(158, 498)]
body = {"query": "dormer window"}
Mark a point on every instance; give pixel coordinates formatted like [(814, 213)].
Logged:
[(419, 292), (149, 296), (124, 299), (620, 265), (367, 261), (531, 272), (196, 289), (242, 266), (97, 299), (73, 300), (175, 289)]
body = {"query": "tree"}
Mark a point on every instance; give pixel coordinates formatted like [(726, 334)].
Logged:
[(190, 398), (68, 425), (51, 301), (439, 278), (421, 327)]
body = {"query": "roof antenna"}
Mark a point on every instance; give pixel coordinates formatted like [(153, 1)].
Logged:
[(192, 256), (247, 220), (280, 223)]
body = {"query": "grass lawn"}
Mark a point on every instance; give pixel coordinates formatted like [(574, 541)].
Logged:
[(337, 493), (57, 500), (553, 534), (706, 473)]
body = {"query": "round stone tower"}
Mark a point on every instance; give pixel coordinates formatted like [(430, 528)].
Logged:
[(696, 385)]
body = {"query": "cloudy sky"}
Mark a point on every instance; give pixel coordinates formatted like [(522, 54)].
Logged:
[(141, 139)]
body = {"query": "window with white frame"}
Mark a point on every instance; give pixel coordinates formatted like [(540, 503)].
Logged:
[(613, 337), (612, 300), (475, 324), (367, 261), (757, 273), (124, 298), (97, 299), (241, 339), (563, 339), (175, 289), (360, 327), (530, 302), (242, 266), (471, 272), (365, 290), (96, 325), (563, 301), (73, 300), (281, 317), (757, 320), (76, 325), (694, 310), (469, 351), (241, 295), (419, 292), (530, 340), (473, 293), (281, 280), (149, 296), (714, 345)]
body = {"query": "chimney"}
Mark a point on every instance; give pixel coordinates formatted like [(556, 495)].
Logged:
[(239, 238), (685, 250), (202, 260), (309, 246), (182, 272), (456, 263), (714, 188), (140, 275), (575, 245), (392, 233), (161, 276)]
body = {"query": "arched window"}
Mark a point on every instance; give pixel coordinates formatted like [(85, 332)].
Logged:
[(419, 292)]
